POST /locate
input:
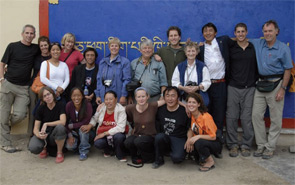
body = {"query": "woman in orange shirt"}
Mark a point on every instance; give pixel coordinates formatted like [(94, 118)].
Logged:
[(202, 134)]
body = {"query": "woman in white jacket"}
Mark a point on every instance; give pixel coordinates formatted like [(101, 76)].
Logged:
[(111, 118)]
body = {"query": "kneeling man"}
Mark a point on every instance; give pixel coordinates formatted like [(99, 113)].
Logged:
[(172, 126)]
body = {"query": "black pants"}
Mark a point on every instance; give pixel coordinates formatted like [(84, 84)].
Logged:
[(217, 106), (141, 147), (203, 148)]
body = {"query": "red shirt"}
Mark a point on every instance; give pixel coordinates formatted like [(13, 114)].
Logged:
[(72, 60), (108, 123)]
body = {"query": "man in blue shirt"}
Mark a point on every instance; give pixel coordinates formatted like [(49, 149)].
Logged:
[(274, 63)]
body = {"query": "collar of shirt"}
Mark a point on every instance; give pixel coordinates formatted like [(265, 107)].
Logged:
[(275, 46)]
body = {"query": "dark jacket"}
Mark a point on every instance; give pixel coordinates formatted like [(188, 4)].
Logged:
[(223, 43), (78, 78)]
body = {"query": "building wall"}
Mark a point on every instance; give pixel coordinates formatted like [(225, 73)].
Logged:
[(14, 14)]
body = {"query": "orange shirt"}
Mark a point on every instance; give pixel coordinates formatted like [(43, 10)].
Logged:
[(204, 125)]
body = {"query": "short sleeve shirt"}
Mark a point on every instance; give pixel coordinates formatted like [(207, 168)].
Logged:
[(274, 60), (44, 114), (204, 125), (175, 123), (20, 60)]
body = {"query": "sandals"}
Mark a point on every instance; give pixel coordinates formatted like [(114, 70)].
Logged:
[(10, 149), (59, 158), (43, 154), (205, 168)]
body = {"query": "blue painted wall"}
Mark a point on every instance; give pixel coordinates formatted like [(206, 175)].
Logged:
[(94, 21)]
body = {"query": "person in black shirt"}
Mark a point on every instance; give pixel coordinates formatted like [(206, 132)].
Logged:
[(19, 58), (49, 131), (84, 76), (241, 87), (172, 127), (43, 43)]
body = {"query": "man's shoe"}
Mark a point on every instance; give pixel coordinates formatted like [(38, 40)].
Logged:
[(258, 152), (234, 152), (137, 163), (83, 157), (10, 149), (157, 164), (267, 154), (245, 152)]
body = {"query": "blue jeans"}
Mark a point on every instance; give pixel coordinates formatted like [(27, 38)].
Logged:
[(118, 142), (84, 139), (165, 143)]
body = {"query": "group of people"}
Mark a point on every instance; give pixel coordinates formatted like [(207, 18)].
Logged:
[(85, 103)]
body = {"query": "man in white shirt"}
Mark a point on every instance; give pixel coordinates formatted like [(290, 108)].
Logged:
[(215, 54)]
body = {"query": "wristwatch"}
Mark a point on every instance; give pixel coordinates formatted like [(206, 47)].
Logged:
[(284, 87)]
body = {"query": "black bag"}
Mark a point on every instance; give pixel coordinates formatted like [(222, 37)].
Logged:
[(134, 84), (267, 86)]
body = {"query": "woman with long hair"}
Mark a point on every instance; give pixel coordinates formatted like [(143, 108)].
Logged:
[(79, 112), (44, 44), (202, 135)]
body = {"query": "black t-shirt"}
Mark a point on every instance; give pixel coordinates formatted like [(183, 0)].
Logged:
[(174, 123), (44, 114), (20, 61), (243, 66), (88, 80)]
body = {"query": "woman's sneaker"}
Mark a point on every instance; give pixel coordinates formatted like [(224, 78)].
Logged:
[(83, 157)]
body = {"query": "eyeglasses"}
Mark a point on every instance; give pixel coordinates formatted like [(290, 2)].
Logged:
[(45, 95)]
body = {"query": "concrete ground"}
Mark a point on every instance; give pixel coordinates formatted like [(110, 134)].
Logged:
[(26, 168)]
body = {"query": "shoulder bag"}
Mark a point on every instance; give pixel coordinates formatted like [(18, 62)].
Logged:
[(37, 84)]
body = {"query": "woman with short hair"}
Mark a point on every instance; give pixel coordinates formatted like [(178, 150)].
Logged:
[(143, 116), (49, 130), (113, 74)]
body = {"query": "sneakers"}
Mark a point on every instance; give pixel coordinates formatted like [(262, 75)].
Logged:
[(157, 164), (137, 163), (258, 152), (234, 151), (10, 149), (245, 152), (83, 157), (267, 154), (106, 155), (43, 154), (59, 158), (124, 159)]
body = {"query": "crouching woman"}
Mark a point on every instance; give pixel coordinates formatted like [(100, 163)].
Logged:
[(202, 134), (49, 130)]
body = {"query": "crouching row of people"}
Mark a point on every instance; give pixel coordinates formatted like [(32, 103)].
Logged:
[(158, 128)]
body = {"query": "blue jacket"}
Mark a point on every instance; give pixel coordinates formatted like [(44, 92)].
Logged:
[(119, 71), (199, 68)]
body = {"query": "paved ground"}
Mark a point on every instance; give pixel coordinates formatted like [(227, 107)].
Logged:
[(26, 168)]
